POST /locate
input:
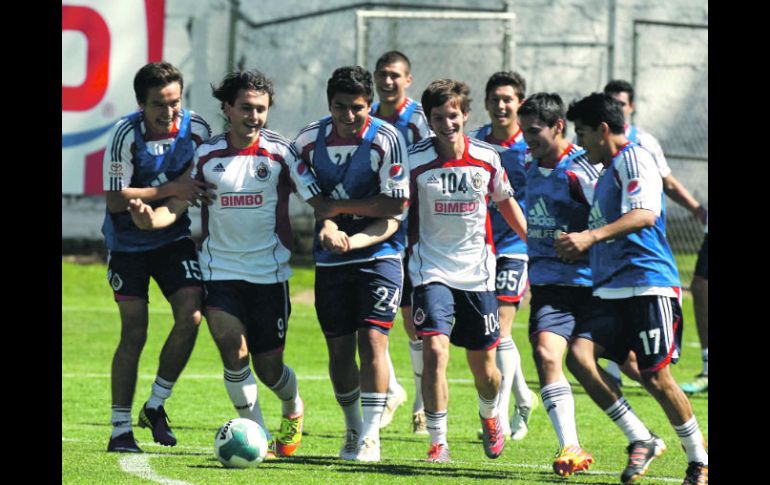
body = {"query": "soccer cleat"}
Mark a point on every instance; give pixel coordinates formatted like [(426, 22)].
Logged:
[(368, 450), (349, 449), (697, 474), (700, 384), (640, 455), (394, 400), (419, 423), (571, 459), (124, 443), (438, 453), (493, 437), (520, 419), (157, 420), (290, 434)]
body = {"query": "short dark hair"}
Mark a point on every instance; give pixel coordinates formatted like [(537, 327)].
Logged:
[(548, 107), (234, 81), (350, 80), (598, 108), (155, 75), (507, 78), (620, 86), (442, 90), (391, 57)]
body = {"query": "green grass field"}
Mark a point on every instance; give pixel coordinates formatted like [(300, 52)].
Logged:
[(199, 405)]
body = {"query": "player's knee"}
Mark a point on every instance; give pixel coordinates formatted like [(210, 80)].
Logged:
[(545, 356), (186, 306), (656, 382), (269, 368), (133, 338)]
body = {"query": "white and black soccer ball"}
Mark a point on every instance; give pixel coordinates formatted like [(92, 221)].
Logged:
[(240, 443)]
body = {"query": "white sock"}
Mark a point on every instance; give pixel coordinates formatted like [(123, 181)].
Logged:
[(520, 389), (288, 392), (415, 354), (692, 440), (613, 369), (351, 405), (437, 426), (488, 407), (121, 420), (560, 406), (393, 384), (506, 362), (161, 390), (621, 413), (704, 355), (372, 405), (242, 388)]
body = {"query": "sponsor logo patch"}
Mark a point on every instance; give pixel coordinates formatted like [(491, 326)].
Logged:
[(455, 208), (397, 172), (633, 187), (240, 201)]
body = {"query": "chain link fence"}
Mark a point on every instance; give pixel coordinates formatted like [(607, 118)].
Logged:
[(670, 76)]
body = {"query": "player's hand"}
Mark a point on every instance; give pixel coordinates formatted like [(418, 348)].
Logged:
[(193, 191), (570, 246), (141, 213), (335, 241)]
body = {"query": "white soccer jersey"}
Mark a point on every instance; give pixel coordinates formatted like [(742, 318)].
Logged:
[(247, 234), (646, 140), (450, 234), (117, 167)]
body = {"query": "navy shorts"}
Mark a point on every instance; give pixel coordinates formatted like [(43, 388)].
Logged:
[(512, 281), (651, 326), (262, 309), (476, 322), (702, 265), (360, 295), (173, 266), (555, 308), (406, 292)]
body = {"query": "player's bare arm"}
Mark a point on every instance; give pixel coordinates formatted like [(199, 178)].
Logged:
[(376, 232), (679, 194), (570, 245), (183, 187), (332, 239), (147, 218), (513, 215), (378, 206)]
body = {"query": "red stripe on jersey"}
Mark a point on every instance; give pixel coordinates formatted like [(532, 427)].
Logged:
[(490, 138), (575, 189), (620, 149), (282, 221), (489, 233)]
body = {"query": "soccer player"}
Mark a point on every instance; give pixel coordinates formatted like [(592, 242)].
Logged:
[(245, 254), (452, 261), (635, 287), (392, 76), (505, 91), (623, 92), (700, 297), (149, 156), (560, 182), (360, 162)]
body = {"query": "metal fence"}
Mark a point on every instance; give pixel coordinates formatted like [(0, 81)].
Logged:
[(670, 76)]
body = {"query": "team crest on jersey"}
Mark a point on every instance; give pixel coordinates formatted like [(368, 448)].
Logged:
[(419, 317), (262, 172), (634, 188), (478, 182), (116, 282)]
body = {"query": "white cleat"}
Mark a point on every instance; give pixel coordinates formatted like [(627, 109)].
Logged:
[(368, 450), (396, 399), (349, 449)]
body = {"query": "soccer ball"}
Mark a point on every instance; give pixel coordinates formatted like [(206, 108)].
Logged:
[(240, 443)]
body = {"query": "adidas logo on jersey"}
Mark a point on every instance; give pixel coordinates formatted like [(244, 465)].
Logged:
[(539, 216), (219, 168), (432, 180), (596, 218)]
